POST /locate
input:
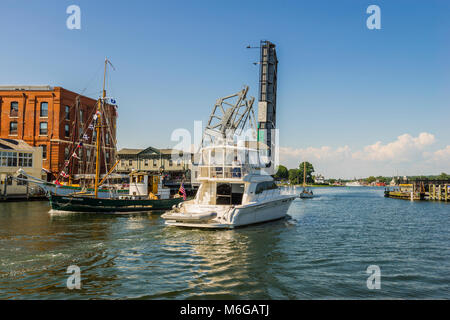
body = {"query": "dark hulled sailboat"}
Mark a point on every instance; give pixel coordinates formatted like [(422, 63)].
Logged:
[(139, 197)]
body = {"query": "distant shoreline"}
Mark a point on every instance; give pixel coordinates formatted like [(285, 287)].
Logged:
[(311, 185)]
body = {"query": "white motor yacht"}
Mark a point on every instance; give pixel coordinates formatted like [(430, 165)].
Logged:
[(233, 192)]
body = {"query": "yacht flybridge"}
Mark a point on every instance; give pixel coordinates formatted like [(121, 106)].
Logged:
[(233, 192)]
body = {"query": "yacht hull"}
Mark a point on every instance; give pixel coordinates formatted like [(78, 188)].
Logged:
[(90, 204), (240, 216)]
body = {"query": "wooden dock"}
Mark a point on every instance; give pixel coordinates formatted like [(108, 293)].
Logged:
[(430, 190)]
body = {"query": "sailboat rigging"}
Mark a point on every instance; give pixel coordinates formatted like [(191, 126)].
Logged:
[(138, 198), (306, 193)]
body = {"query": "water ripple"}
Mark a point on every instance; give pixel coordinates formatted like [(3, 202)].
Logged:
[(321, 251)]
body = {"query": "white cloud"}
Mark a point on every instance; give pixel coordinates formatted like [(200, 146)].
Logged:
[(402, 149), (407, 155), (438, 156)]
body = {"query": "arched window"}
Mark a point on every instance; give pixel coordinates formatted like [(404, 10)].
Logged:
[(14, 111), (44, 109)]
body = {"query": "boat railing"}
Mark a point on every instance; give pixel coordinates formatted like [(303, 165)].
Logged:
[(223, 172)]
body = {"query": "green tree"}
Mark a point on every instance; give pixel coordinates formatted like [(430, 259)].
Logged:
[(293, 176), (371, 179), (282, 173), (443, 176), (309, 172)]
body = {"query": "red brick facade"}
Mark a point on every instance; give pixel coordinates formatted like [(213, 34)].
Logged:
[(38, 116)]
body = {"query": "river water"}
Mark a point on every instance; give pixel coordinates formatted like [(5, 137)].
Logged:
[(322, 251)]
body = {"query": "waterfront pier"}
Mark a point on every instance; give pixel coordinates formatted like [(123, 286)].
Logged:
[(421, 189)]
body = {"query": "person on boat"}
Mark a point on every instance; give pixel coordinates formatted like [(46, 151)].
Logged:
[(217, 170), (236, 164)]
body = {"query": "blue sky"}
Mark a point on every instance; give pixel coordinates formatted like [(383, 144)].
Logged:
[(341, 88)]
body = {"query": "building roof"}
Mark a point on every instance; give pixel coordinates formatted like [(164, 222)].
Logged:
[(20, 87), (170, 151), (26, 87), (14, 144), (127, 151)]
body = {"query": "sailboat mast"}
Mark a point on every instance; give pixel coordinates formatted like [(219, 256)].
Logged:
[(304, 174), (97, 128)]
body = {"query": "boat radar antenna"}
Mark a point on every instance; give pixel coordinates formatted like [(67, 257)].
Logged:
[(231, 115)]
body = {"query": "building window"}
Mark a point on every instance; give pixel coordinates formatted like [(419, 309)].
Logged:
[(81, 115), (66, 153), (94, 136), (154, 163), (13, 127), (44, 151), (178, 163), (130, 162), (67, 109), (14, 112), (25, 159), (66, 130), (107, 138), (107, 157), (170, 162), (22, 182), (44, 109), (88, 154), (8, 159), (43, 128), (146, 162)]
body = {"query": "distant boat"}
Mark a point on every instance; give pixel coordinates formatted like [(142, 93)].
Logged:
[(353, 184), (306, 193)]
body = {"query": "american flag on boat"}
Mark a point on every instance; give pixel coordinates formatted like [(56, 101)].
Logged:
[(183, 191)]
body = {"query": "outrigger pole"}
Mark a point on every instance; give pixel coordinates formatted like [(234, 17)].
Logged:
[(109, 172)]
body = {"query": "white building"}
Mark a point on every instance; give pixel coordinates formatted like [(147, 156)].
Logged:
[(16, 154), (319, 179)]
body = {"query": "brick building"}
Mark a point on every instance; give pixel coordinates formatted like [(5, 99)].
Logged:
[(55, 119)]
